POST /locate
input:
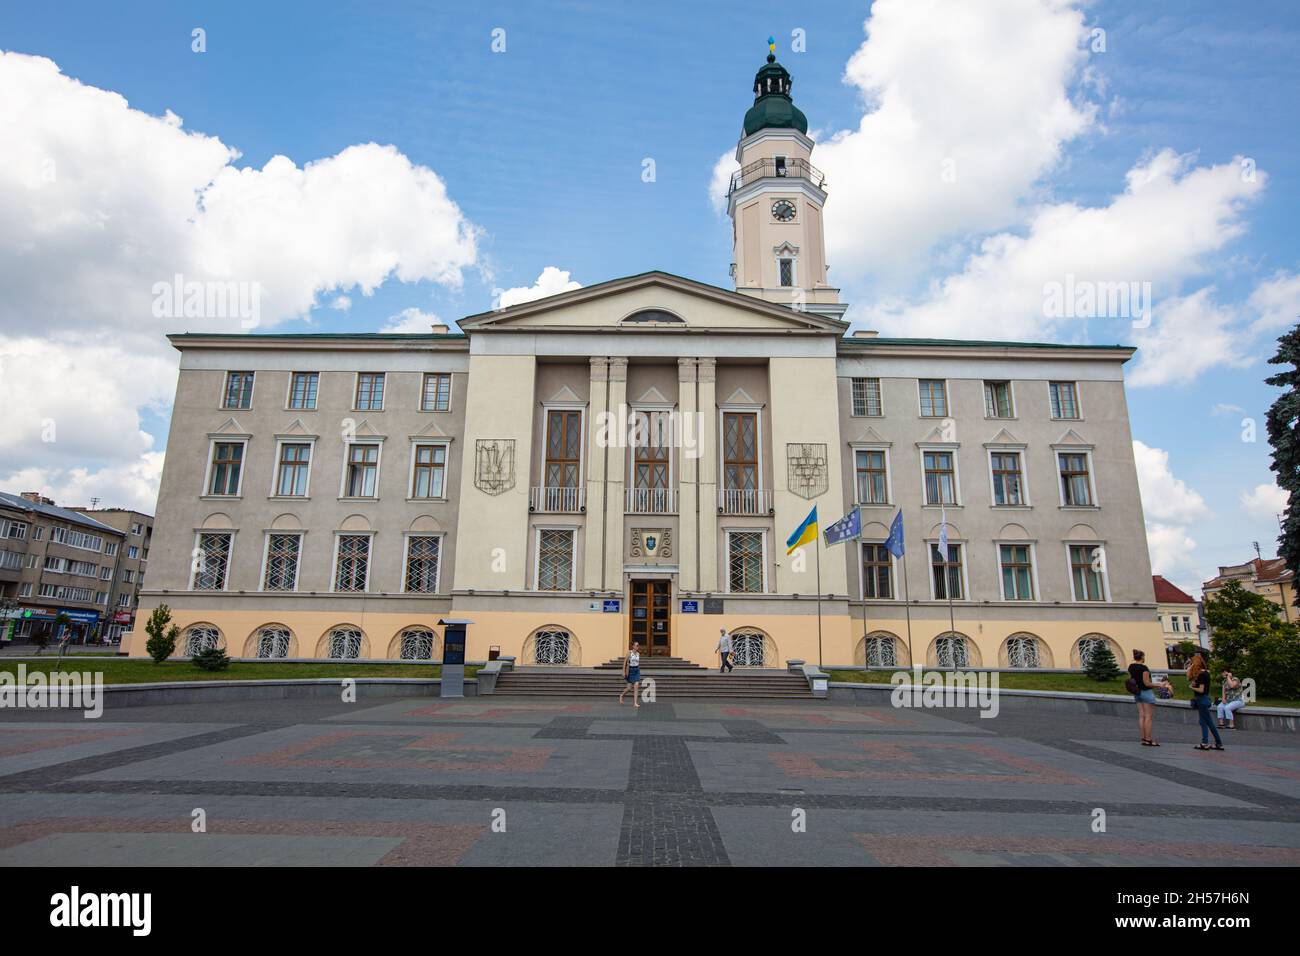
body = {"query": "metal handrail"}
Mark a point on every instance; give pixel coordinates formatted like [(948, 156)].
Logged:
[(768, 168)]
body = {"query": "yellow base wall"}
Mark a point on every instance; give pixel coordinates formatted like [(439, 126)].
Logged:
[(602, 637)]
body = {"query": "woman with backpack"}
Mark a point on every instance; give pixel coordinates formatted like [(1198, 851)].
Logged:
[(1144, 695), (1198, 678)]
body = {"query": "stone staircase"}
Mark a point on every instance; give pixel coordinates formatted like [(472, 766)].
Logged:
[(675, 679)]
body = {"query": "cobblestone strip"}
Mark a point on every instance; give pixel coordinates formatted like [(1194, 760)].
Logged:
[(664, 821)]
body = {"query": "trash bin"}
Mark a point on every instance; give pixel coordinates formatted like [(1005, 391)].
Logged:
[(494, 652)]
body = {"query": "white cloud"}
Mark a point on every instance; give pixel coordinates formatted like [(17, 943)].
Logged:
[(1277, 302), (552, 281), (968, 107), (1264, 502), (100, 202), (128, 485), (1189, 335), (341, 303), (411, 320), (1170, 507)]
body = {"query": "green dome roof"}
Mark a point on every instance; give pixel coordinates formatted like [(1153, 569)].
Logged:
[(773, 108)]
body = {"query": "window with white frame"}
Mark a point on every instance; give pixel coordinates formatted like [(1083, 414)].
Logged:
[(361, 471), (239, 390), (934, 397), (429, 470), (745, 560), (1016, 562), (293, 470), (212, 560), (1007, 470), (1088, 572), (283, 552), (997, 400), (946, 576), (1076, 479), (940, 473), (351, 562), (1064, 398), (866, 398), (423, 557), (785, 271), (555, 559), (877, 571), (227, 468), (871, 476), (14, 529)]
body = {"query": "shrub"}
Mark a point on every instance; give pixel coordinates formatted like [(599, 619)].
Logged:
[(162, 637), (213, 659), (1101, 663)]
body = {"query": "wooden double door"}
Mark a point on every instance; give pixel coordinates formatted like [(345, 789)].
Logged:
[(651, 617)]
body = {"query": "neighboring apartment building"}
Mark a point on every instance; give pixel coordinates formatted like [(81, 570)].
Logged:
[(128, 573), (1267, 577), (1179, 618), (53, 561), (335, 495)]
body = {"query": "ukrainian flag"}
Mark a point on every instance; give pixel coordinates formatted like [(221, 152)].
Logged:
[(804, 533)]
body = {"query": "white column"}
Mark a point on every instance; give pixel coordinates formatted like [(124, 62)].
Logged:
[(614, 478), (708, 471), (593, 563), (688, 476)]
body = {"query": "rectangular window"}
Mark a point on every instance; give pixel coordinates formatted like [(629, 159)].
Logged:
[(127, 576), (106, 574), (1065, 399), (437, 392), (363, 471), (940, 478), (563, 448), (282, 552), (997, 400), (137, 528), (227, 467), (866, 397), (787, 272), (1076, 486), (423, 552), (1017, 572), (870, 474), (430, 471), (1088, 572), (745, 562), (555, 559), (740, 452), (132, 552), (877, 571), (55, 565), (352, 565), (1008, 480), (934, 398), (650, 450), (294, 467), (302, 389), (25, 590), (212, 561), (38, 533), (239, 390), (370, 392), (17, 529), (111, 549), (949, 583)]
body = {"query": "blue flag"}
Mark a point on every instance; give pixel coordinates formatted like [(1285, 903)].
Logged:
[(895, 540), (846, 529)]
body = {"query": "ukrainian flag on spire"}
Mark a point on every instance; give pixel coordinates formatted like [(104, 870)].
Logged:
[(806, 532)]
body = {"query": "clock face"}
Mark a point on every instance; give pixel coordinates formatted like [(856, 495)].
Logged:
[(783, 210)]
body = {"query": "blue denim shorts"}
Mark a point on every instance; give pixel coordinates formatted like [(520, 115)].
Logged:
[(1147, 696)]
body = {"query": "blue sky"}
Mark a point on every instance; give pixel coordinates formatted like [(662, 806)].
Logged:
[(541, 147)]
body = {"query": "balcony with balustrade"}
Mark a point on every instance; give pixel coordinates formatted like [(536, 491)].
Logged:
[(777, 168), (563, 500), (651, 501), (744, 501)]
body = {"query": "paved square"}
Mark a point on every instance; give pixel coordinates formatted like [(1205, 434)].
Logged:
[(538, 782)]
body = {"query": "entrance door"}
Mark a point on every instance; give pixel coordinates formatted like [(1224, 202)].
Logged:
[(650, 619)]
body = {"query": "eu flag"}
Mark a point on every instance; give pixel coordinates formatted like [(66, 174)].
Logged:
[(895, 540)]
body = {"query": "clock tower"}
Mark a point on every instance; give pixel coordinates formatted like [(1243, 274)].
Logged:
[(775, 201)]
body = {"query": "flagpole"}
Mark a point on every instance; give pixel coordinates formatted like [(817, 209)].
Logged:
[(817, 548), (907, 609)]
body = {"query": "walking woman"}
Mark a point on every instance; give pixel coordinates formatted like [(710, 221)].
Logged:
[(1198, 678), (632, 675), (1144, 695)]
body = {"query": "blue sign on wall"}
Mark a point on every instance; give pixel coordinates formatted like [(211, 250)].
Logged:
[(690, 607), (612, 606)]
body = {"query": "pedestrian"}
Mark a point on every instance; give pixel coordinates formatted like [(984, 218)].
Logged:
[(1230, 700), (1198, 678), (724, 649), (1144, 695), (632, 675)]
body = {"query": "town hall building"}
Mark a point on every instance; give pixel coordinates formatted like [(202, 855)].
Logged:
[(625, 462)]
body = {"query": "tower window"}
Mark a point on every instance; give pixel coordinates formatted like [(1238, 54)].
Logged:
[(787, 272), (780, 165)]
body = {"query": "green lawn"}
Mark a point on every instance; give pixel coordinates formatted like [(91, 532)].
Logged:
[(1079, 683), (145, 671)]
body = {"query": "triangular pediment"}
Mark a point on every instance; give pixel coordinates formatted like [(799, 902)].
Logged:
[(431, 430), (740, 397), (366, 430), (654, 301), (296, 428), (869, 436), (565, 394), (1004, 437), (652, 396), (937, 436), (1071, 437), (230, 427)]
